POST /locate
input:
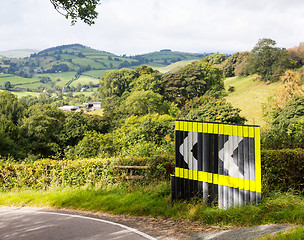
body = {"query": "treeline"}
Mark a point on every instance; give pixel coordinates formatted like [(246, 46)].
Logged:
[(139, 108), (265, 59)]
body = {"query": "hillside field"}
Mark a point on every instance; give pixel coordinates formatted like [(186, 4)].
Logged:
[(249, 95)]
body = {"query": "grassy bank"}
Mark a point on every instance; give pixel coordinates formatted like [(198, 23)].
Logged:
[(249, 95), (154, 200)]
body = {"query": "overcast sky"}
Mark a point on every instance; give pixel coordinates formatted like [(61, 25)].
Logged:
[(139, 26)]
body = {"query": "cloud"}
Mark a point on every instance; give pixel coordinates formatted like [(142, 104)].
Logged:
[(137, 26)]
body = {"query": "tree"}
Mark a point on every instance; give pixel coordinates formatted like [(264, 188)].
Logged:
[(212, 110), (116, 83), (84, 10), (216, 58), (10, 107), (41, 129), (235, 65), (148, 79), (192, 81), (145, 102), (7, 85), (287, 127), (292, 87), (297, 53), (267, 60)]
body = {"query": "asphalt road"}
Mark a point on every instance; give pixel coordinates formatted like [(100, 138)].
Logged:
[(31, 224)]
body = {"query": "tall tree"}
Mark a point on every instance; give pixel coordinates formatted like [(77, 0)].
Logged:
[(267, 60), (191, 81)]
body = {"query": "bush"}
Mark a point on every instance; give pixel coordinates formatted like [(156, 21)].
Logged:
[(283, 170), (287, 127), (210, 109), (46, 173)]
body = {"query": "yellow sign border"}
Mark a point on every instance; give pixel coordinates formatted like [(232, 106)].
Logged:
[(224, 129)]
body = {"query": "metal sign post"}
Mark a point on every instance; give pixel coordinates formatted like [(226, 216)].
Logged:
[(218, 162)]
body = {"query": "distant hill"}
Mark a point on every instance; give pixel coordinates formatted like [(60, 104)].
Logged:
[(174, 66), (21, 53), (75, 67), (166, 57)]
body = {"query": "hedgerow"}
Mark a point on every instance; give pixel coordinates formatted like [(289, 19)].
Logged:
[(47, 173), (282, 170)]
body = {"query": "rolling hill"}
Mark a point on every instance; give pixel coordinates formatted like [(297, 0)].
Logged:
[(20, 53), (77, 66)]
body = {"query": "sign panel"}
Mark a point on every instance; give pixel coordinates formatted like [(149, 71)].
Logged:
[(218, 162)]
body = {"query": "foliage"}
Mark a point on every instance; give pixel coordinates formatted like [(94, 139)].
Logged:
[(283, 170), (138, 136), (267, 60), (235, 65), (116, 83), (41, 129), (10, 107), (11, 111), (292, 87), (210, 109), (77, 9), (216, 58), (287, 128), (148, 79), (192, 81), (46, 173), (297, 53), (145, 102)]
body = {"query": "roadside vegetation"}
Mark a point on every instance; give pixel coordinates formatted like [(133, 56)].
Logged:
[(67, 159)]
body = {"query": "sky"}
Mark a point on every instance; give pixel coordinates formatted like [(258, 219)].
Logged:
[(134, 27)]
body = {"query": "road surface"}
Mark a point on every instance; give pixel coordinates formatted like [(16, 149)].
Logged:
[(32, 224)]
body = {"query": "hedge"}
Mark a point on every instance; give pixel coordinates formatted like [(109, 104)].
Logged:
[(281, 170), (46, 173)]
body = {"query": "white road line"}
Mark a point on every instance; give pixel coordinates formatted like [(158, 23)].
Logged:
[(90, 218)]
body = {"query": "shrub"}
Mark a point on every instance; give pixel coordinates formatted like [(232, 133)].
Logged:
[(283, 170), (211, 110), (46, 173)]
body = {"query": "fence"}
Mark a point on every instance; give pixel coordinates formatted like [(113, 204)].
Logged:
[(218, 162)]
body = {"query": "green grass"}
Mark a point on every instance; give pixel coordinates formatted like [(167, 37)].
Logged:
[(59, 79), (154, 201), (84, 80), (16, 80), (174, 66), (293, 234), (87, 61), (249, 95), (95, 73), (24, 93)]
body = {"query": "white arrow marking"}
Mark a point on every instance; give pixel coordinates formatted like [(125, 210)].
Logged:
[(186, 150), (227, 154)]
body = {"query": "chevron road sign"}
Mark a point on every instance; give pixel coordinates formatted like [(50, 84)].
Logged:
[(218, 162)]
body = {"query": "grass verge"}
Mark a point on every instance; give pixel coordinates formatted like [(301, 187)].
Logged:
[(293, 234), (154, 201)]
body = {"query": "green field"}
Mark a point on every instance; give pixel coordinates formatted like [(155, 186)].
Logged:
[(95, 73), (16, 80), (87, 62), (84, 80), (59, 79), (174, 66), (249, 95), (24, 93)]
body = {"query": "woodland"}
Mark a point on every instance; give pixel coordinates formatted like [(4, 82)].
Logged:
[(139, 106)]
